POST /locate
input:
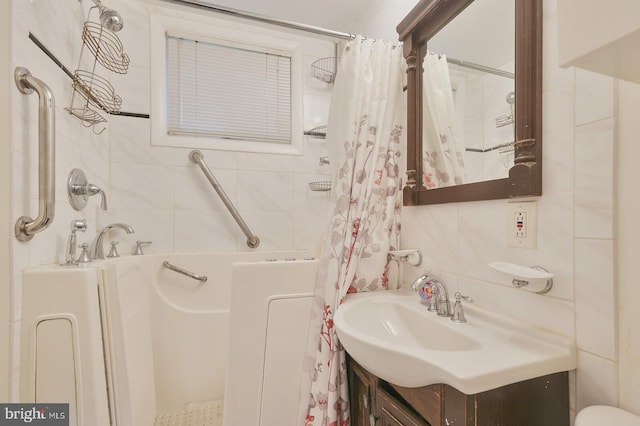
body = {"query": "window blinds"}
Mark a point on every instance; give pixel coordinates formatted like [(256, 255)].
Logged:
[(229, 92)]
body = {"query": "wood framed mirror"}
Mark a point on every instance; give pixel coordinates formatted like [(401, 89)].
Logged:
[(427, 19)]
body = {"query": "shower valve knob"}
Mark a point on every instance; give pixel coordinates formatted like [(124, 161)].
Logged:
[(79, 190)]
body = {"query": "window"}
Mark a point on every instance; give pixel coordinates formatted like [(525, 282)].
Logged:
[(227, 92), (224, 88)]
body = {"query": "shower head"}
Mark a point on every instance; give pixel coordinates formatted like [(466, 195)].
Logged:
[(110, 19)]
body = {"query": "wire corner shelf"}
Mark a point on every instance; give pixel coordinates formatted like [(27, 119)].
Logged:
[(319, 132), (324, 69), (321, 185)]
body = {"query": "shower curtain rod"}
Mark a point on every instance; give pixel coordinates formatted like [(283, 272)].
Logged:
[(266, 19), (479, 67), (317, 30)]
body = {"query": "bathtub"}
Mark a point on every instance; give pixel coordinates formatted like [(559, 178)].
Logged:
[(128, 342)]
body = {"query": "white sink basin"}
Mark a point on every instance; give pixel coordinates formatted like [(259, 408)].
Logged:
[(396, 338)]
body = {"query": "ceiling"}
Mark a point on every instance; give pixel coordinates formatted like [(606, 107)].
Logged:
[(335, 15)]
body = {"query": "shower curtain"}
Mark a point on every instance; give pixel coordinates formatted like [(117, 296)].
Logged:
[(443, 155), (364, 134)]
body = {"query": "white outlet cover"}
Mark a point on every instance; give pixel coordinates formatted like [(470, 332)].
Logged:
[(526, 237)]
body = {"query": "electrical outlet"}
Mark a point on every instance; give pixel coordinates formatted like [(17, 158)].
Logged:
[(522, 224)]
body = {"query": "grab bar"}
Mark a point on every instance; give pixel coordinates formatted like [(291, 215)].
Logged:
[(201, 278), (196, 157), (26, 227)]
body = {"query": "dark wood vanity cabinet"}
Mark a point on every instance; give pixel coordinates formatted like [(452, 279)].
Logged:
[(543, 401)]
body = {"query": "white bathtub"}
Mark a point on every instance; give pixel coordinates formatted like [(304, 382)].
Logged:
[(128, 342)]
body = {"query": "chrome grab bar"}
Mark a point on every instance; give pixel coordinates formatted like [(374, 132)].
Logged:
[(26, 227), (201, 278), (196, 157)]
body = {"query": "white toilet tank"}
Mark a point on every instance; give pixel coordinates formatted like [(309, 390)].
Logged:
[(599, 415)]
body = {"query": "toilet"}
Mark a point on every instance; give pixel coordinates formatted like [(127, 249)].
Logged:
[(598, 415)]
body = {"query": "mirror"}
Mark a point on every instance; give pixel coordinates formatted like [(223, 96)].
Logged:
[(472, 80), (467, 60)]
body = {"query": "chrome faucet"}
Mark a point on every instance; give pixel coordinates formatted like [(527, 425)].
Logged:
[(439, 294), (97, 250), (442, 297), (70, 251)]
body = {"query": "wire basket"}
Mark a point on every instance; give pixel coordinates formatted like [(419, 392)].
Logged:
[(88, 116), (319, 132), (106, 47), (97, 91), (323, 185), (324, 69)]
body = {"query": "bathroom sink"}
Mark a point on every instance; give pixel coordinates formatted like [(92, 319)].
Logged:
[(395, 337)]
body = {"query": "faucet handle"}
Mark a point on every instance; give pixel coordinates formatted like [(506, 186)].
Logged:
[(434, 304), (458, 311), (459, 297), (138, 251), (84, 254), (113, 252), (93, 190)]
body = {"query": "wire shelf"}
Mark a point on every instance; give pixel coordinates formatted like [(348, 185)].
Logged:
[(319, 132), (106, 47), (88, 116), (97, 91), (324, 69), (323, 185)]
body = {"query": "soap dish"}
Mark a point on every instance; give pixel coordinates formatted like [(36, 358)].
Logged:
[(532, 278)]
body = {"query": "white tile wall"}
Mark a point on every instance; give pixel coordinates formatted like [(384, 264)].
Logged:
[(157, 190), (594, 96), (594, 179), (558, 136), (596, 381), (5, 199), (595, 297), (552, 75), (627, 210)]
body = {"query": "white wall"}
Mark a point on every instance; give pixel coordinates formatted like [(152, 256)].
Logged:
[(380, 17), (5, 79), (155, 189), (166, 198), (626, 249)]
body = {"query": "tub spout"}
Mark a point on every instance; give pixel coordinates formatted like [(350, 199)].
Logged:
[(97, 250)]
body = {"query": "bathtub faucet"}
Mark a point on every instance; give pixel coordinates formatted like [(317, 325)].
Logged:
[(97, 250)]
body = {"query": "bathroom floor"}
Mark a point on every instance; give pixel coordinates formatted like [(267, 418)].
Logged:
[(196, 414)]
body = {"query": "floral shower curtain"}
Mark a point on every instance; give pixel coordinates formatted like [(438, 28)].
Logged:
[(443, 154), (364, 134)]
